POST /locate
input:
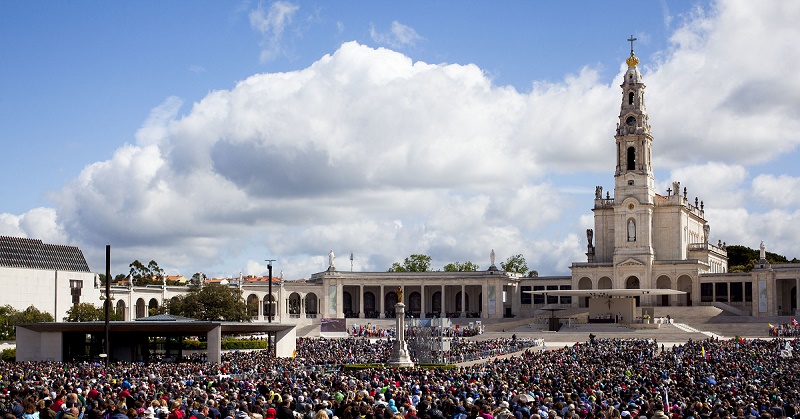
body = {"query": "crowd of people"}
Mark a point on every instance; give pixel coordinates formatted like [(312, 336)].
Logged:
[(375, 331), (377, 351), (608, 379)]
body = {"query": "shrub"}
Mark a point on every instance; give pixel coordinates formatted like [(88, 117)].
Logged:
[(9, 355)]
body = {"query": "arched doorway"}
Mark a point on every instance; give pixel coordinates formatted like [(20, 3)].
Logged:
[(389, 301), (415, 304), (310, 304), (664, 283), (436, 304), (632, 283), (369, 305), (120, 311), (152, 307), (685, 285), (584, 284), (604, 283), (294, 304), (269, 307), (140, 308), (252, 306)]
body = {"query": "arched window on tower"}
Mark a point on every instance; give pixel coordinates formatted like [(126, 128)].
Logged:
[(631, 158), (630, 98)]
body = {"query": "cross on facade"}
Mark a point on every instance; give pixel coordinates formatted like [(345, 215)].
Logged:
[(669, 191), (631, 39)]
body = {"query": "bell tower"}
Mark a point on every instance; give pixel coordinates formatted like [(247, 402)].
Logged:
[(634, 173)]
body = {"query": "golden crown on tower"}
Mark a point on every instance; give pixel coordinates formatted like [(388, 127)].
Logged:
[(632, 61)]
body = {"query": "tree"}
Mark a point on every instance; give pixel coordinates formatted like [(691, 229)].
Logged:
[(213, 302), (515, 264), (139, 273), (85, 312), (413, 263), (32, 315), (460, 267), (744, 259), (7, 331), (120, 277), (198, 278)]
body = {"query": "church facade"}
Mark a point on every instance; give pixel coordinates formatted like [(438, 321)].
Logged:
[(644, 239)]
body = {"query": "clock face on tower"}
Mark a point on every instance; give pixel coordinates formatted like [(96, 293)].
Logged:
[(630, 121)]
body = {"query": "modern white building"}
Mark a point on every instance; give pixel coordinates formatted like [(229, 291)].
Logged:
[(47, 276)]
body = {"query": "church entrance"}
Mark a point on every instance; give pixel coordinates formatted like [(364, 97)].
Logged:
[(632, 283)]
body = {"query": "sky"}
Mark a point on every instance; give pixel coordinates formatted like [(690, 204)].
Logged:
[(212, 135)]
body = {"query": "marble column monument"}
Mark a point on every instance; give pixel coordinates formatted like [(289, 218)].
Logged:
[(400, 356)]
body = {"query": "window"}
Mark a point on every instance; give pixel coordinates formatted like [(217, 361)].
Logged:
[(525, 296), (706, 293), (630, 98), (552, 299), (721, 291), (538, 298), (566, 299), (631, 158), (748, 292), (737, 292)]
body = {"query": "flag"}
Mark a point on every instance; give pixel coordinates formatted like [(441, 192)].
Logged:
[(666, 401), (794, 322), (702, 351)]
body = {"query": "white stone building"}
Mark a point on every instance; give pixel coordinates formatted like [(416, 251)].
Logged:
[(49, 277)]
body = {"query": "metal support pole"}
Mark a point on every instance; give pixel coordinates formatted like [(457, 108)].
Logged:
[(108, 303)]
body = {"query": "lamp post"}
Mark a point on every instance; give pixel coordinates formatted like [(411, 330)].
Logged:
[(108, 303), (269, 290)]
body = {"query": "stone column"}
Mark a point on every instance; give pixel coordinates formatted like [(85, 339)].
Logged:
[(443, 305), (381, 310), (422, 300), (361, 301), (463, 300), (214, 344), (400, 356)]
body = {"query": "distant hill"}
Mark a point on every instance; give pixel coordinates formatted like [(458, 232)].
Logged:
[(743, 258)]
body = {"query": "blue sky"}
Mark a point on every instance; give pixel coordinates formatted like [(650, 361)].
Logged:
[(110, 116)]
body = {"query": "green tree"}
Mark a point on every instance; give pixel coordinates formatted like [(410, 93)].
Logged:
[(213, 302), (198, 278), (533, 273), (515, 264), (744, 259), (11, 317), (139, 273), (7, 331), (413, 263), (120, 277), (460, 267), (85, 312), (32, 315)]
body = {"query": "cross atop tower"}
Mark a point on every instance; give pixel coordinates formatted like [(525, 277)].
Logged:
[(631, 39)]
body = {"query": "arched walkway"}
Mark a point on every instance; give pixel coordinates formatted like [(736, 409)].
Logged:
[(140, 308), (269, 306), (294, 305), (252, 306), (120, 310), (310, 303), (664, 283)]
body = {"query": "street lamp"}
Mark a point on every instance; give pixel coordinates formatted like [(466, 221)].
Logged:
[(269, 289)]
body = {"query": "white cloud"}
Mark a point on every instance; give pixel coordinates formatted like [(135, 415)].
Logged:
[(780, 191), (368, 151), (399, 36), (38, 223), (272, 24)]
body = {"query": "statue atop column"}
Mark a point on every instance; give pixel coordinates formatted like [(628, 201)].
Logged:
[(331, 258), (762, 251), (399, 292), (491, 258)]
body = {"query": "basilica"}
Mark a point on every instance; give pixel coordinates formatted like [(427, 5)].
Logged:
[(653, 241)]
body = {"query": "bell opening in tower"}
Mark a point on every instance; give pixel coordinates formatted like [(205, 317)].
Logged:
[(630, 98), (631, 158)]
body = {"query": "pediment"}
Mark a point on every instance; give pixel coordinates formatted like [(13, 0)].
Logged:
[(630, 262)]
